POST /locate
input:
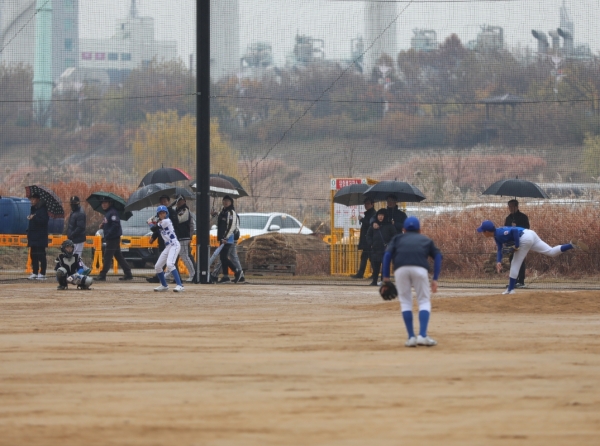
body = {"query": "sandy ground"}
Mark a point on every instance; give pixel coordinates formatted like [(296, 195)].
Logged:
[(272, 365)]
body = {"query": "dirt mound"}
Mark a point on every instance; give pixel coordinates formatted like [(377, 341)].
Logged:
[(308, 253)]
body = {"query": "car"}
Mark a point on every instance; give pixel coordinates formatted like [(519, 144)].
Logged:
[(254, 223), (137, 225)]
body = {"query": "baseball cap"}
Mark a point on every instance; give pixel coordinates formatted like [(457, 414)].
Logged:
[(74, 199), (486, 226), (412, 224)]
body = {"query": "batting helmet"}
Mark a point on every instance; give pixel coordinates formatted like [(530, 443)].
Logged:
[(63, 249), (162, 208)]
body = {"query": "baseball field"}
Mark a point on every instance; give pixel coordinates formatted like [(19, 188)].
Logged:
[(290, 364)]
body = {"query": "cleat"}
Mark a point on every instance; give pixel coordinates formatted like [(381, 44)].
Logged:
[(578, 244), (40, 277), (507, 291), (426, 341), (179, 289), (412, 342), (32, 277), (225, 279), (161, 288)]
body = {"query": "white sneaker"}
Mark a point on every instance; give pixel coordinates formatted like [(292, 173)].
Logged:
[(426, 341), (412, 342), (161, 288), (32, 277), (40, 277), (179, 288), (578, 244), (506, 291)]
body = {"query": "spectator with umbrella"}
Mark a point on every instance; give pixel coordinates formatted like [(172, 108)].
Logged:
[(37, 236), (111, 224), (183, 230), (378, 236), (365, 223), (519, 219)]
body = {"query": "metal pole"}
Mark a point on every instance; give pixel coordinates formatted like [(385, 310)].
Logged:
[(202, 139)]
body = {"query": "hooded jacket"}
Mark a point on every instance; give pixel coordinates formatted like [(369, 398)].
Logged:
[(37, 231)]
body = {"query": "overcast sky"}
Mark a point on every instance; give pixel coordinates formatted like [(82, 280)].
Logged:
[(337, 22)]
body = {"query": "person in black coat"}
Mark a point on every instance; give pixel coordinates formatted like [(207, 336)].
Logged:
[(394, 215), (378, 236), (76, 225), (111, 224), (362, 241), (519, 219), (37, 237)]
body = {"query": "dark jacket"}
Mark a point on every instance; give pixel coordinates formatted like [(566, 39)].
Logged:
[(226, 222), (183, 227), (396, 217), (76, 226), (378, 239), (37, 232), (112, 224), (517, 219), (412, 249), (364, 227)]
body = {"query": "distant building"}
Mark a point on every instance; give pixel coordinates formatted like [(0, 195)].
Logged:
[(17, 33), (424, 40), (133, 45)]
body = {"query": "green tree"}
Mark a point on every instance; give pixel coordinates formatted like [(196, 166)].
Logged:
[(165, 139)]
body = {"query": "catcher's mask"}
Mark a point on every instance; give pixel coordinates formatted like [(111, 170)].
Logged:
[(67, 248)]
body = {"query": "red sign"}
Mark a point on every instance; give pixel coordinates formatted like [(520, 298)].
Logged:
[(343, 182)]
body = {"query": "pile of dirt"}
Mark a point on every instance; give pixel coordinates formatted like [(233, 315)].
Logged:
[(308, 253)]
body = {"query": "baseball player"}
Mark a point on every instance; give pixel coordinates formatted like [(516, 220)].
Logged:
[(170, 253), (520, 241), (70, 268), (410, 251)]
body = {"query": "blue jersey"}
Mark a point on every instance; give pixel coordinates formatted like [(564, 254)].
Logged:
[(507, 235)]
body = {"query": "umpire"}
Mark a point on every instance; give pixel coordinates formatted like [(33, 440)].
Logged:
[(365, 222), (410, 252), (519, 219)]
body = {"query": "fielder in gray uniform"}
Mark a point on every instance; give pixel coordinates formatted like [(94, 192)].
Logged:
[(410, 251)]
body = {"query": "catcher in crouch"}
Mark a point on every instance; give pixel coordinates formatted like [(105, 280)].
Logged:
[(410, 251), (70, 268), (170, 253)]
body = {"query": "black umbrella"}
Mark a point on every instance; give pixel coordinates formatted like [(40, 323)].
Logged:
[(164, 175), (95, 201), (351, 195), (53, 203), (219, 187), (403, 191), (236, 184), (149, 195), (514, 187)]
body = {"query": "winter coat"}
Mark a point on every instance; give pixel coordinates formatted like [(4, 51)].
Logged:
[(111, 224), (364, 227), (378, 239), (518, 219), (76, 226), (396, 216), (226, 223), (37, 232), (183, 228)]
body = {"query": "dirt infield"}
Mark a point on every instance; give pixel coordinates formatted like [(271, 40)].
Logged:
[(266, 365)]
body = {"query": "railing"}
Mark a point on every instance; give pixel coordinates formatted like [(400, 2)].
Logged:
[(95, 243)]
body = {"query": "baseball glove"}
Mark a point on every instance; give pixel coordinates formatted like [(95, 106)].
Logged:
[(388, 291)]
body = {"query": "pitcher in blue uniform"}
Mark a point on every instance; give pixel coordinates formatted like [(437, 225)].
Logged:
[(521, 241)]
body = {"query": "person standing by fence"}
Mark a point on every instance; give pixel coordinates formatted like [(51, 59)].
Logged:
[(365, 223), (37, 237), (516, 218)]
